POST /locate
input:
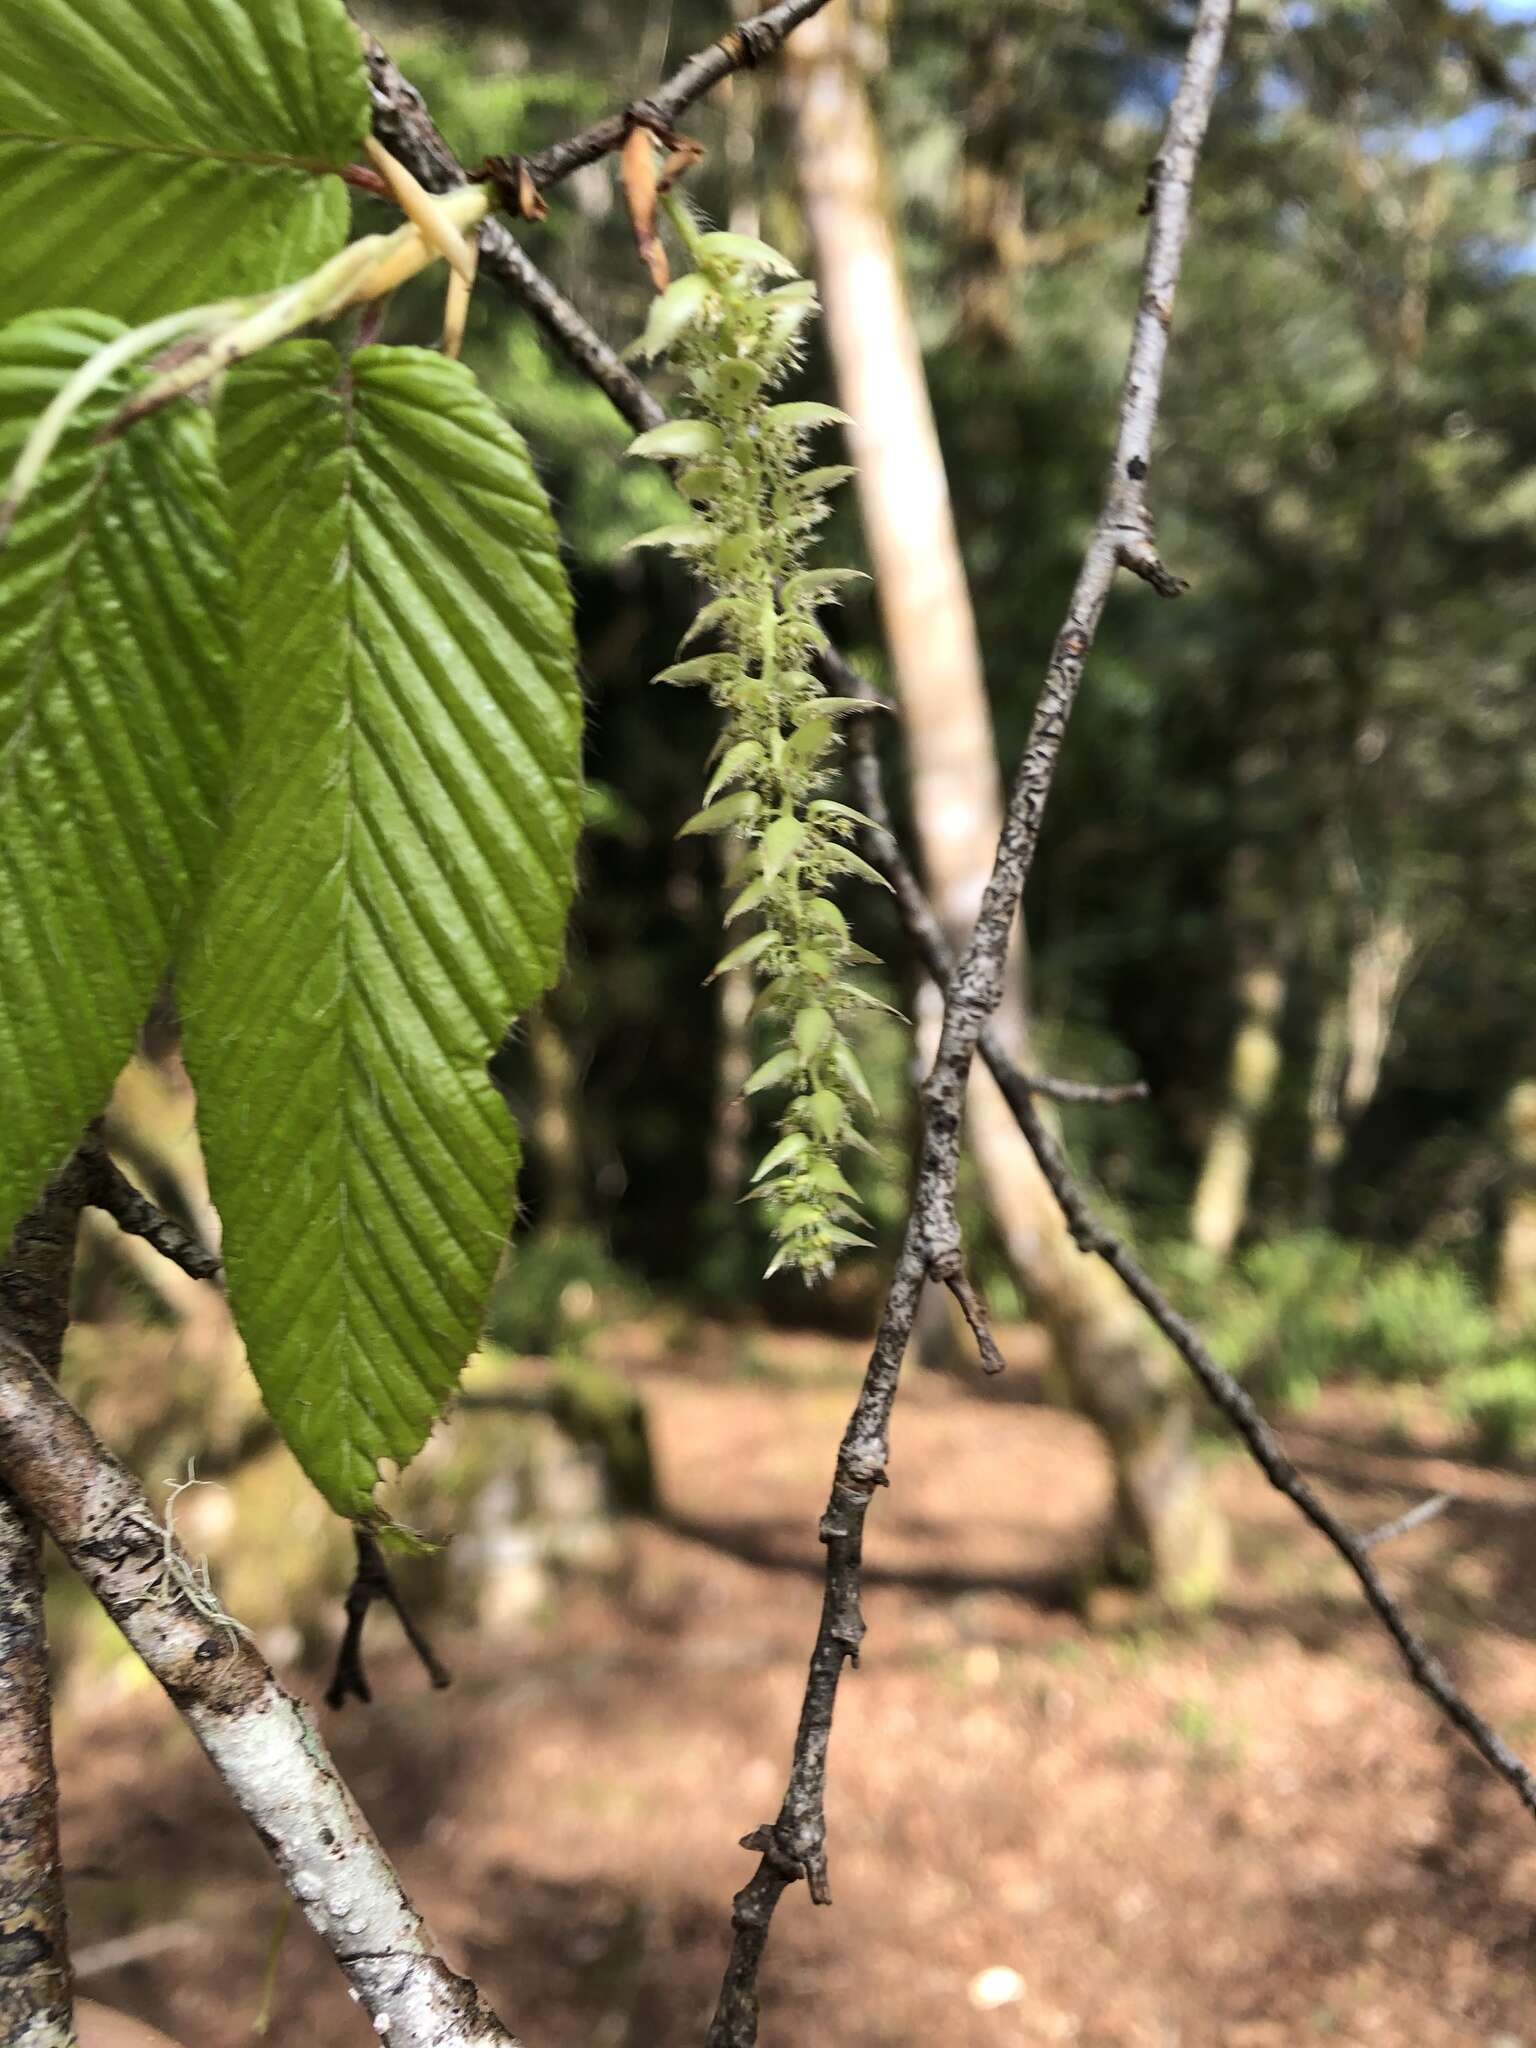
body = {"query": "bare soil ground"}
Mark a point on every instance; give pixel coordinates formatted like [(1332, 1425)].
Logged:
[(1244, 1833)]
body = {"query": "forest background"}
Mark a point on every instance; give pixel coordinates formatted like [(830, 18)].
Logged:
[(1287, 869)]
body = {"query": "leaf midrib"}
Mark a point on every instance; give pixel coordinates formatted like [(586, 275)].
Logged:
[(246, 159)]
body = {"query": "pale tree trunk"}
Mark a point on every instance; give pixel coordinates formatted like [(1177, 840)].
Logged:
[(1353, 1036), (1221, 1194), (1165, 1530), (1517, 1240), (1264, 944), (556, 1097)]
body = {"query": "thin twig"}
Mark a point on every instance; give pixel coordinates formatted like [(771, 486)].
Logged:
[(1426, 1511), (748, 43), (1237, 1406), (1091, 1235), (405, 127), (794, 1845), (372, 1581), (133, 1212)]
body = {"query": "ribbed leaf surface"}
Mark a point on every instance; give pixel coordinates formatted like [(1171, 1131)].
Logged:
[(158, 153), (117, 685), (393, 890)]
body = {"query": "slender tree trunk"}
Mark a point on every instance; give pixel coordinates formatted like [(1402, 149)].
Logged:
[(1264, 934), (1353, 1036), (1517, 1240), (36, 1982), (1165, 1530), (556, 1100), (1221, 1196)]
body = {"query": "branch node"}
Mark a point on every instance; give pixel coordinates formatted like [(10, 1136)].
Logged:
[(517, 190), (372, 1581), (948, 1267), (1143, 560), (789, 1868)]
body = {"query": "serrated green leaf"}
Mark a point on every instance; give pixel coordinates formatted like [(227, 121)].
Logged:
[(117, 700), (719, 816), (853, 1073), (811, 1031), (746, 250), (824, 1112), (744, 954), (733, 382), (675, 310), (843, 860), (699, 668), (789, 1148), (677, 440), (842, 707), (826, 807), (815, 586), (718, 611), (738, 759), (393, 888), (688, 537), (779, 844), (810, 483), (832, 1234), (749, 899), (808, 740), (702, 484), (736, 552), (823, 911), (159, 153), (827, 1177), (802, 413), (872, 1002), (800, 1216), (777, 1067)]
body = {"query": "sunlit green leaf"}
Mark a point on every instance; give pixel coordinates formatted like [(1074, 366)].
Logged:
[(393, 889), (159, 153), (117, 701)]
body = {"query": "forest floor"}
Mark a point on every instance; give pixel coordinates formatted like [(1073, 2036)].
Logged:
[(1243, 1833)]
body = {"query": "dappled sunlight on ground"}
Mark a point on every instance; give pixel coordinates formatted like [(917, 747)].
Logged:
[(1244, 1833)]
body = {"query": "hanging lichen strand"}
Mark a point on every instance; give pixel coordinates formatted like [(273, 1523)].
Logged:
[(756, 507)]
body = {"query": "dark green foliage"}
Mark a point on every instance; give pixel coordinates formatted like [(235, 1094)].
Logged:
[(560, 1284)]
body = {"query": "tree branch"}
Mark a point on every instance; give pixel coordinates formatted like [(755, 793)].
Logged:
[(1225, 1393), (110, 1189), (259, 1740), (749, 43), (35, 1976), (401, 121), (372, 1581)]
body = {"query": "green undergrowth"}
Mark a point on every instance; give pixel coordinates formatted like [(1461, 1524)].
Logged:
[(1295, 1314)]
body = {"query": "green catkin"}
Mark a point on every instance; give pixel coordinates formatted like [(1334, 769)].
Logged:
[(734, 332)]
